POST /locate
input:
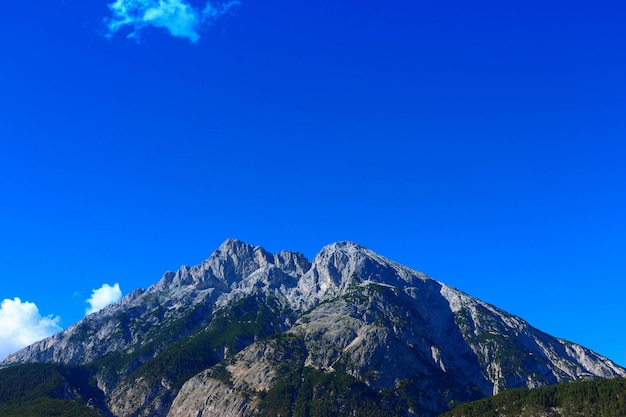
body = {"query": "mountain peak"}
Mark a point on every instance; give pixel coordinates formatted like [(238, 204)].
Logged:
[(232, 245), (341, 264), (344, 245)]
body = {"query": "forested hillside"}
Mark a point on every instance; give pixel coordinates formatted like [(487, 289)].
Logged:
[(46, 390), (598, 398)]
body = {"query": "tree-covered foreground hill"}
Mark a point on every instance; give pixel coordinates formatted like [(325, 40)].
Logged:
[(597, 398), (46, 390)]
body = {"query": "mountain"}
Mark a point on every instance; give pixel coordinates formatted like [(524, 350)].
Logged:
[(248, 332)]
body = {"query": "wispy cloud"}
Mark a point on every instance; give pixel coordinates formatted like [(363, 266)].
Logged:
[(21, 325), (102, 297), (178, 17)]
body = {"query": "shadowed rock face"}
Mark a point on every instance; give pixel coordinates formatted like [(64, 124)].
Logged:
[(196, 342)]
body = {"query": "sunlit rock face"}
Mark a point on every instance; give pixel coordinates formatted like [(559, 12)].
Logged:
[(247, 332)]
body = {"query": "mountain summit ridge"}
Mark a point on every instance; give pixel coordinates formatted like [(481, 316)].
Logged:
[(349, 311)]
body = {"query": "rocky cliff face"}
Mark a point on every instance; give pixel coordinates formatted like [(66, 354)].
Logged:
[(248, 332)]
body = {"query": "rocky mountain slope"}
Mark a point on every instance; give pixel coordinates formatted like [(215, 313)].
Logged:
[(248, 332)]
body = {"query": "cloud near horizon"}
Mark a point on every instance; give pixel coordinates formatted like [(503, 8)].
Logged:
[(178, 17), (102, 297), (21, 325)]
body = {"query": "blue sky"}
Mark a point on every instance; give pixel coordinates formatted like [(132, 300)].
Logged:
[(482, 143)]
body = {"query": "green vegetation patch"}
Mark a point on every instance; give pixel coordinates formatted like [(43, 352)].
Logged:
[(47, 407), (46, 390), (598, 398), (309, 392), (231, 330)]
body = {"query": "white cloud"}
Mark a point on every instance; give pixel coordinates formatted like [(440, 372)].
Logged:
[(176, 16), (102, 297), (21, 325)]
